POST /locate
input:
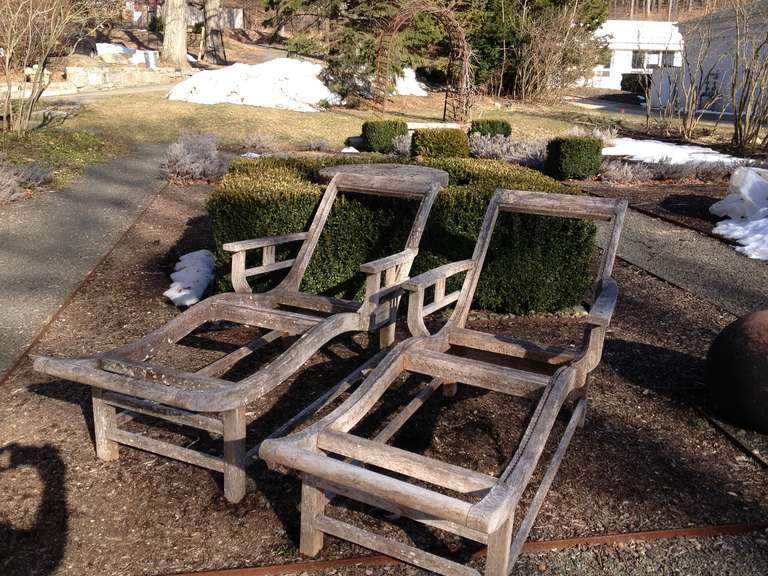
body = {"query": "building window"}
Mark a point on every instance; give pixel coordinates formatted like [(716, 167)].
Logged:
[(642, 60)]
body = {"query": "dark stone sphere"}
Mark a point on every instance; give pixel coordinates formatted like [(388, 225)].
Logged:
[(737, 372)]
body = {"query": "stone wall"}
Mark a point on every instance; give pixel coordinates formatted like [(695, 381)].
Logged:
[(106, 77)]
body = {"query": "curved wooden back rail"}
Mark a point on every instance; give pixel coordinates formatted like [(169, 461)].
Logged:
[(481, 507), (125, 382)]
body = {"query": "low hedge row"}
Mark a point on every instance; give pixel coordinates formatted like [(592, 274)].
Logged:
[(491, 127), (440, 143), (534, 263)]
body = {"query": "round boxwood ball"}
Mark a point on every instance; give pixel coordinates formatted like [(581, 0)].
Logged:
[(737, 372)]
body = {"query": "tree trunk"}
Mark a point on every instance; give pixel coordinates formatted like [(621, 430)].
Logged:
[(214, 38), (175, 34)]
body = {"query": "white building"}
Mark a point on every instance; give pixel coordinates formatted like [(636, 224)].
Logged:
[(636, 46), (711, 41)]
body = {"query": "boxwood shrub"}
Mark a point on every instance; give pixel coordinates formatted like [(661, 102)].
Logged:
[(534, 263), (575, 157), (378, 134), (491, 127), (440, 143)]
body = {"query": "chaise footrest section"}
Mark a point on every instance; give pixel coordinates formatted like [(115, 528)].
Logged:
[(428, 502), (403, 552), (477, 373)]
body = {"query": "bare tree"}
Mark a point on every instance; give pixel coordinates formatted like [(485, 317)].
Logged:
[(31, 31), (682, 96), (553, 51), (701, 87), (174, 51), (749, 75), (214, 37)]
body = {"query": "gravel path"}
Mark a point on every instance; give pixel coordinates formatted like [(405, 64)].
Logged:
[(48, 244), (707, 267)]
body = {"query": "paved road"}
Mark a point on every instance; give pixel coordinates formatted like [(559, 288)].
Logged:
[(49, 244), (700, 264)]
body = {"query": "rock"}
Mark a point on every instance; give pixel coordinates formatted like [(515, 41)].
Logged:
[(737, 372)]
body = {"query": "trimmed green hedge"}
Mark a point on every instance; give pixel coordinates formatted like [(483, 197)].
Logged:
[(491, 127), (574, 157), (378, 134), (440, 143), (534, 263)]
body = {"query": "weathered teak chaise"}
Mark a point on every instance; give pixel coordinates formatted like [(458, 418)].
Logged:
[(124, 379), (332, 460)]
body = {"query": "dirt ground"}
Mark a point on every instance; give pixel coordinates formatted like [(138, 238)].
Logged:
[(681, 203), (645, 460)]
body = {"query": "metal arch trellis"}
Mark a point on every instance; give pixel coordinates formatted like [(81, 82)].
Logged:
[(459, 74)]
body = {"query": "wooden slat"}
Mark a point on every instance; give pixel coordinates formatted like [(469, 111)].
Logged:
[(387, 262), (403, 462), (289, 322), (508, 346), (601, 311), (169, 413), (168, 450), (322, 401), (410, 409), (399, 510), (223, 364), (392, 548), (427, 279), (314, 302), (162, 375), (263, 242), (267, 268), (546, 482), (476, 373), (564, 205), (321, 466), (384, 185), (440, 304)]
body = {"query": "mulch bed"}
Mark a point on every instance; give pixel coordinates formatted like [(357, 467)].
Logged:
[(645, 460), (686, 204)]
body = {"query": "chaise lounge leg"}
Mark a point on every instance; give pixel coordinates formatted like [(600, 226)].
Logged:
[(313, 503), (386, 336), (234, 454), (499, 544), (104, 422)]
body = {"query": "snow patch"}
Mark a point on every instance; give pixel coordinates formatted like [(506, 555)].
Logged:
[(656, 151), (105, 48), (746, 210), (108, 52), (192, 275), (407, 85), (284, 83)]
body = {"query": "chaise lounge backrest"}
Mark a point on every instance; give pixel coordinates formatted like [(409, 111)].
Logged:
[(522, 202), (422, 189)]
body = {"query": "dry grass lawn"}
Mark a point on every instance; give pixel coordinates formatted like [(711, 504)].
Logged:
[(152, 118)]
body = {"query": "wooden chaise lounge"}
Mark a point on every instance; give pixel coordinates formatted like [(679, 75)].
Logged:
[(124, 379), (332, 459)]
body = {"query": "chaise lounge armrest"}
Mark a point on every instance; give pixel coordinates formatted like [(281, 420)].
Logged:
[(268, 261), (602, 310), (244, 245), (427, 279), (417, 286), (383, 264)]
